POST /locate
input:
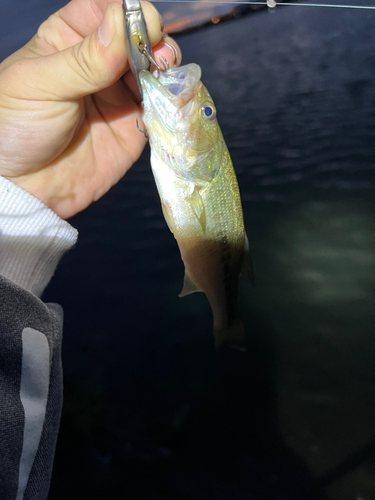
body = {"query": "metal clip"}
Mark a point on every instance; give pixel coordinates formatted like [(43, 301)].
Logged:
[(137, 39)]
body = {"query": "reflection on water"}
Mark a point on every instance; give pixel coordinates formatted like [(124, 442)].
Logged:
[(317, 264), (326, 252), (151, 410)]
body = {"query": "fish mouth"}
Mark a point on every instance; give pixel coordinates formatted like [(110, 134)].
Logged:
[(178, 85), (181, 81)]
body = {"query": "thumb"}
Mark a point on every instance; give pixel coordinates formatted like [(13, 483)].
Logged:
[(87, 67)]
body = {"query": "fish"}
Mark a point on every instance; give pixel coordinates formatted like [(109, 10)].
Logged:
[(198, 191)]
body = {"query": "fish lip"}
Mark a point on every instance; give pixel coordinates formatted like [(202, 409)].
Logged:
[(149, 82), (181, 81)]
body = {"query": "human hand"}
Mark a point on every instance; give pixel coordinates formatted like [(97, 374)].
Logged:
[(67, 115)]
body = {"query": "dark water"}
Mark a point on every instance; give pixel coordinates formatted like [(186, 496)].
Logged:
[(151, 411)]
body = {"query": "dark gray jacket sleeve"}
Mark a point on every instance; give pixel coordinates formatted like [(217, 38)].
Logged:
[(30, 392), (32, 240)]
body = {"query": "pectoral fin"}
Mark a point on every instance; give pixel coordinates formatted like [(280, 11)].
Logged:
[(196, 203), (188, 287), (247, 270)]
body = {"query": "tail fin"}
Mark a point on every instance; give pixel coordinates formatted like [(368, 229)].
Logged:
[(232, 335)]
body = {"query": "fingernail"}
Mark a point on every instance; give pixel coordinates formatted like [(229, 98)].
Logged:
[(177, 58), (105, 30)]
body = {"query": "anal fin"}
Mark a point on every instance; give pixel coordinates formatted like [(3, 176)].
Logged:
[(188, 287)]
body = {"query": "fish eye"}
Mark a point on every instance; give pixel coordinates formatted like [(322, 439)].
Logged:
[(208, 111)]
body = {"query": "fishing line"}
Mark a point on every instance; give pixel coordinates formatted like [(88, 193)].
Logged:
[(271, 4)]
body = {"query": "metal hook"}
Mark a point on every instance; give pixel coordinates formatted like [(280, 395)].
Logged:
[(144, 131), (146, 53), (165, 63), (162, 60)]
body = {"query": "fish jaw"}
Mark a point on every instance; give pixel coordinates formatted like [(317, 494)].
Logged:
[(177, 85), (167, 96), (183, 139)]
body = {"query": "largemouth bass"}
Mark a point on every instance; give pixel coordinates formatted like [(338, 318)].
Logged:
[(198, 191)]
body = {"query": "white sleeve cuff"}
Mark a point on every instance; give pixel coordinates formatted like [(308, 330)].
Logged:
[(32, 238)]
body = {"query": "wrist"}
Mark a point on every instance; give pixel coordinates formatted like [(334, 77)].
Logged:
[(32, 238)]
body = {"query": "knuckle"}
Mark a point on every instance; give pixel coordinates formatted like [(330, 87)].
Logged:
[(49, 33), (84, 64)]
